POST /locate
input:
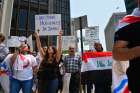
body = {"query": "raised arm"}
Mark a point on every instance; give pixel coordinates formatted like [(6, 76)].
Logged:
[(39, 47), (122, 53), (59, 50)]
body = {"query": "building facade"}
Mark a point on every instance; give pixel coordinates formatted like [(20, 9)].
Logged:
[(111, 28), (24, 11), (130, 5)]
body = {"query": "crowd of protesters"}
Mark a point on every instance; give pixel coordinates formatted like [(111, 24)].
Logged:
[(48, 71)]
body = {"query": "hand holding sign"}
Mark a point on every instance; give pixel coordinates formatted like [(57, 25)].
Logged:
[(36, 34), (61, 33)]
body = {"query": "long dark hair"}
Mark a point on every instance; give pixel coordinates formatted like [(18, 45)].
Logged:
[(46, 57)]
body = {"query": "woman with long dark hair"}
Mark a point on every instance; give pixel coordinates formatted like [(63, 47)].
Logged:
[(48, 70)]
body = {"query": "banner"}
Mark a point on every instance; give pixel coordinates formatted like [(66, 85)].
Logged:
[(104, 60), (49, 24), (96, 61)]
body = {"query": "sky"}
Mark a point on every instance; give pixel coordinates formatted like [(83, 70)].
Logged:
[(98, 12)]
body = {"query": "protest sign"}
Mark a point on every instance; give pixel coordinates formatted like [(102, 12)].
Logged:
[(49, 24), (68, 41)]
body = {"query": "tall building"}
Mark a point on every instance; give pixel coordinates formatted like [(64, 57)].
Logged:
[(130, 5), (111, 28), (24, 11)]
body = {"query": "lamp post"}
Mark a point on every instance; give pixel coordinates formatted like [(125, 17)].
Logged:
[(81, 34)]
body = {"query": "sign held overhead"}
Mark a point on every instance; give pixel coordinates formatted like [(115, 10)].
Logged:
[(49, 24)]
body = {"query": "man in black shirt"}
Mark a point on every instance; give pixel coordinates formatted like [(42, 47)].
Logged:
[(127, 47)]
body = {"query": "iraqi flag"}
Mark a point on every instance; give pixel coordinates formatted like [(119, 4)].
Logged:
[(129, 20), (96, 61), (96, 65)]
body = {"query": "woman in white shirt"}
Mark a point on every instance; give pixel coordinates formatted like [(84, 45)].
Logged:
[(22, 65)]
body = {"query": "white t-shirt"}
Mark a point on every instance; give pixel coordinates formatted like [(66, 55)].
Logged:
[(22, 67)]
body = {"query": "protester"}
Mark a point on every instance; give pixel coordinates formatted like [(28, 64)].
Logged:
[(127, 47), (21, 65), (72, 63), (3, 53), (38, 59), (6, 71), (48, 70), (101, 78), (3, 49)]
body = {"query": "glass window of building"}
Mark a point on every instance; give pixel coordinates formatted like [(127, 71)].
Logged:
[(24, 0), (40, 1), (22, 19), (34, 0), (43, 1), (37, 7), (32, 20), (13, 18)]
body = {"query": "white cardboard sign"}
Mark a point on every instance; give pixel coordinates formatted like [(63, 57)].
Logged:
[(48, 24), (15, 41), (92, 33), (68, 41)]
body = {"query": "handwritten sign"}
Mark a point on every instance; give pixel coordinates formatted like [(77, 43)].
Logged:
[(15, 41), (92, 33), (68, 41), (49, 24)]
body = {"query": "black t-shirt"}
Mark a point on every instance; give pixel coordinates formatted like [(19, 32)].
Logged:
[(48, 71), (131, 34)]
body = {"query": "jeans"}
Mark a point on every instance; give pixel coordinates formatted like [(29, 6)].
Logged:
[(48, 86), (4, 81), (16, 85), (89, 86), (74, 83), (103, 88), (52, 86)]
